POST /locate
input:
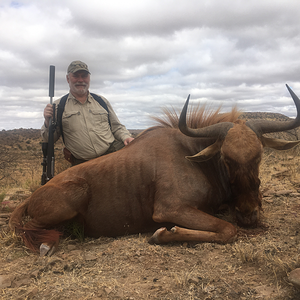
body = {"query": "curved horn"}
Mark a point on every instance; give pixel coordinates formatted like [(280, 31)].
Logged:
[(217, 130), (264, 126)]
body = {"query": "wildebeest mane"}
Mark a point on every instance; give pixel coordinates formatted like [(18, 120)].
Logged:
[(199, 116)]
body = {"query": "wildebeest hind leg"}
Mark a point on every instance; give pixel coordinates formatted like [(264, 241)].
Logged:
[(52, 205), (36, 237), (199, 227)]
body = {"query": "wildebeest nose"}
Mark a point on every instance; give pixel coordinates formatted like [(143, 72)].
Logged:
[(247, 219)]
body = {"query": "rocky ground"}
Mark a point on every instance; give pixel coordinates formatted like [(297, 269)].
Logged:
[(261, 264), (257, 266)]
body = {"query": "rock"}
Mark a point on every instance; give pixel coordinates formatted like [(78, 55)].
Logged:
[(75, 253), (34, 274), (89, 257), (21, 282), (71, 247), (209, 288), (6, 198), (294, 277), (194, 280), (107, 290), (265, 291), (268, 193), (283, 192), (5, 281), (32, 293)]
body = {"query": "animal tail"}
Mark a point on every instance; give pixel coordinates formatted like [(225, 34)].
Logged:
[(32, 237), (17, 215)]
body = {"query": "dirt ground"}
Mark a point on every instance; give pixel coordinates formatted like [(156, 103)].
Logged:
[(256, 266)]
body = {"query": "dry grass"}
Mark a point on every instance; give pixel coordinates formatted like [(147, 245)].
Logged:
[(26, 172), (256, 266)]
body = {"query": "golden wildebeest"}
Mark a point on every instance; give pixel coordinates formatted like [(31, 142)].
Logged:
[(158, 181)]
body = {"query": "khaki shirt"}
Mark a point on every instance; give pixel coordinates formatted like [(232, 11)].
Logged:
[(87, 133)]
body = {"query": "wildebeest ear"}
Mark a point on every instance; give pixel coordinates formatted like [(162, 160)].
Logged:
[(206, 153), (278, 144)]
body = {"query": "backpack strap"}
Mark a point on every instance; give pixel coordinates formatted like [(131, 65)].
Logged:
[(103, 104), (61, 108)]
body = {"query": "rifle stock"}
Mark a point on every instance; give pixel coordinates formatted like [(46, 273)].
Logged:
[(48, 148)]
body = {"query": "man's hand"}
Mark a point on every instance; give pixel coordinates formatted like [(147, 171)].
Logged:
[(48, 114), (128, 140)]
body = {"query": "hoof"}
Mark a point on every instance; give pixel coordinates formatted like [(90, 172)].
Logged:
[(173, 229), (46, 250), (155, 237)]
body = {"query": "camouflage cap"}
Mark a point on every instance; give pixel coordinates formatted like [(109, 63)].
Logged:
[(77, 65)]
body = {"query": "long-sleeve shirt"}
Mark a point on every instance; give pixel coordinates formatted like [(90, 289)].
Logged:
[(87, 132)]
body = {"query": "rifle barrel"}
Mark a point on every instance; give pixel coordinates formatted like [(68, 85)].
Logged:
[(51, 82), (48, 148)]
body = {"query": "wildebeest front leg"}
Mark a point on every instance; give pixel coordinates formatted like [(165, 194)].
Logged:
[(199, 227)]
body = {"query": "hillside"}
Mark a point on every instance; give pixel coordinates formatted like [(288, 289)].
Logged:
[(289, 135), (265, 116), (21, 154), (21, 157)]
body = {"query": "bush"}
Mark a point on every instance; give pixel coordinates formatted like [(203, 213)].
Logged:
[(2, 196)]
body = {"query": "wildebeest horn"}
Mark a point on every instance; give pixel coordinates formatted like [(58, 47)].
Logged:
[(217, 130), (264, 126)]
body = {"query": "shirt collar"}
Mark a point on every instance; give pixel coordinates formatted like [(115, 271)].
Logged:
[(75, 101)]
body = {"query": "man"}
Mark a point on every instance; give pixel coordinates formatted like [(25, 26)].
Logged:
[(89, 128)]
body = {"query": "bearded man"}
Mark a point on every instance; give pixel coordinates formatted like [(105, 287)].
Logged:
[(87, 122)]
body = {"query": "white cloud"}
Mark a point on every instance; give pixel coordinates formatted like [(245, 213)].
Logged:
[(144, 55)]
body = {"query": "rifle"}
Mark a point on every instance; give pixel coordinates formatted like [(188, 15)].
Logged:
[(48, 148)]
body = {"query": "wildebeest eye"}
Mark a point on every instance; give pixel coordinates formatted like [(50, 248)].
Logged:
[(228, 161)]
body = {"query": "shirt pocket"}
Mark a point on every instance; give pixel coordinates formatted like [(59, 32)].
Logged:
[(99, 118), (71, 120)]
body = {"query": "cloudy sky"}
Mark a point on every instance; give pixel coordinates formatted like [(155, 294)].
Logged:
[(149, 54)]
